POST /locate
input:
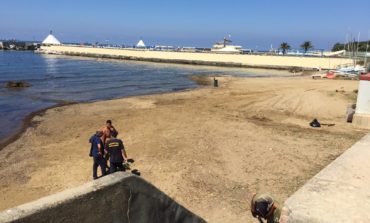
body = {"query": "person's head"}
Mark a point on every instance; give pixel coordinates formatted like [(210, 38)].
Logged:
[(112, 136), (108, 123), (262, 206), (99, 133)]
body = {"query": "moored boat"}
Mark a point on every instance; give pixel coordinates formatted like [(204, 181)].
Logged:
[(225, 47)]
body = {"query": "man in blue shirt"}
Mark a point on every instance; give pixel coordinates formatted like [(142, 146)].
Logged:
[(97, 153)]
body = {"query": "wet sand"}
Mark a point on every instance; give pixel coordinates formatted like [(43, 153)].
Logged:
[(28, 122), (208, 148)]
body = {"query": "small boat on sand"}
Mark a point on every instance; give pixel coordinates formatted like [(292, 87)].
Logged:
[(330, 75), (365, 76)]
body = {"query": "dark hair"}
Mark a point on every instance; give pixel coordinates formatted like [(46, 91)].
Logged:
[(99, 133), (109, 121)]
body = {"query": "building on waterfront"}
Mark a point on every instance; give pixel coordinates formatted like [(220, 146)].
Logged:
[(1, 45), (51, 40)]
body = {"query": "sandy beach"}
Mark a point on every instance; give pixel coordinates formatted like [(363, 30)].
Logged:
[(208, 148)]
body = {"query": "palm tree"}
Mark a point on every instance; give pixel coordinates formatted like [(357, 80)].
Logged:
[(306, 46), (284, 46)]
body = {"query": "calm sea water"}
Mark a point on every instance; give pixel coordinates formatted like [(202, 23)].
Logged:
[(60, 78)]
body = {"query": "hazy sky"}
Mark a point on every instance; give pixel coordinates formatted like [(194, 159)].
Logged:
[(251, 23)]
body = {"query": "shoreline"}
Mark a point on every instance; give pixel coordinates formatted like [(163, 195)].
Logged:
[(28, 122)]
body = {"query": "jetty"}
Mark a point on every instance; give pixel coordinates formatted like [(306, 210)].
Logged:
[(200, 58)]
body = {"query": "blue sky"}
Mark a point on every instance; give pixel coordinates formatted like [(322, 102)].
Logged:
[(253, 24)]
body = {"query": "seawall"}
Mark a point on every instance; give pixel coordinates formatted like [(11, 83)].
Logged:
[(213, 59), (119, 197), (339, 193)]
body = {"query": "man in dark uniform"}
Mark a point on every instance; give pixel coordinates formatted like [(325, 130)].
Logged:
[(264, 206), (117, 154), (97, 153)]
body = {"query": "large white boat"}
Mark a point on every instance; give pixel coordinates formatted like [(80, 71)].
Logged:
[(225, 47)]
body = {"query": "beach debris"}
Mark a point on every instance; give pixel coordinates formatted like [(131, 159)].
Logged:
[(127, 166), (328, 124), (17, 84), (295, 70), (341, 90), (315, 123), (136, 172)]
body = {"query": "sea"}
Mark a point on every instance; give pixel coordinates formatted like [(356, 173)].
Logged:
[(57, 79)]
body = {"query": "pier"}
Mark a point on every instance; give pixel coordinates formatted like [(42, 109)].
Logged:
[(201, 58)]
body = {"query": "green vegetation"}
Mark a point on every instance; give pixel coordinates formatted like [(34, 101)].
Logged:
[(284, 46), (306, 46), (352, 46)]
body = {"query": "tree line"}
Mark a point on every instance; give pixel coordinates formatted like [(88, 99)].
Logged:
[(306, 45), (362, 46), (350, 46)]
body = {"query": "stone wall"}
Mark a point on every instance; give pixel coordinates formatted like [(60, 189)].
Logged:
[(120, 197), (339, 193)]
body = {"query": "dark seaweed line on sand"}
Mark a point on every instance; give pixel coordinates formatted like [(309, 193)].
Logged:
[(29, 122)]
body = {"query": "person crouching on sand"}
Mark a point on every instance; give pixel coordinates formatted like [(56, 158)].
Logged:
[(97, 153), (264, 206), (117, 154)]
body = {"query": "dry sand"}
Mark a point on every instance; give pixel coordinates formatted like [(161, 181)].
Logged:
[(208, 148)]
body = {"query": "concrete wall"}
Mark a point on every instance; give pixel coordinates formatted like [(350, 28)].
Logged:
[(120, 197), (362, 117), (339, 193), (263, 61)]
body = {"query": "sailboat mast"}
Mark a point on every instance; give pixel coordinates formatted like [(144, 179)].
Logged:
[(367, 46), (358, 41), (355, 48)]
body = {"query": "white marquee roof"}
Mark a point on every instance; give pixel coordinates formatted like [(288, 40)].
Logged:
[(50, 39), (140, 44)]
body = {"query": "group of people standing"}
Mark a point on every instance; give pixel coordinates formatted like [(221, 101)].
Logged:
[(106, 146)]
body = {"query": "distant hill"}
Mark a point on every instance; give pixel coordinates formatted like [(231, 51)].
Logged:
[(352, 46)]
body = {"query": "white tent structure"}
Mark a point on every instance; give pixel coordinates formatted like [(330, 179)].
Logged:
[(140, 44), (51, 40)]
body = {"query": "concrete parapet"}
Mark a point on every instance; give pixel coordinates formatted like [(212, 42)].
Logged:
[(362, 117), (339, 193), (361, 121), (120, 197)]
